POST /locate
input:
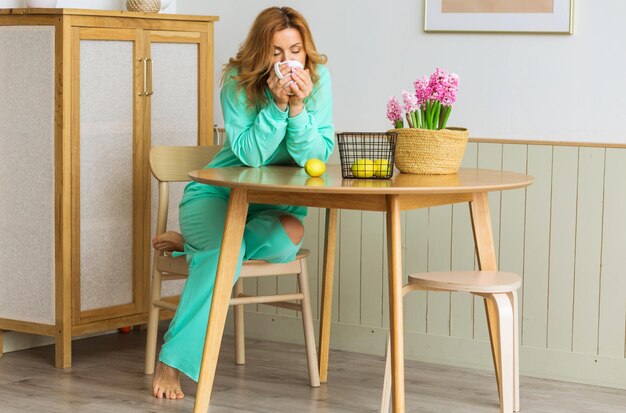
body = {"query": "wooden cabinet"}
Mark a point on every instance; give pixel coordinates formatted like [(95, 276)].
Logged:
[(84, 95)]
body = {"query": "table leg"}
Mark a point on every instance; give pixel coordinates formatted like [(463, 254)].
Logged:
[(330, 239), (486, 254), (229, 253), (396, 330)]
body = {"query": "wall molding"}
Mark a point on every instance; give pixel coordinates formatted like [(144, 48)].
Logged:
[(548, 143)]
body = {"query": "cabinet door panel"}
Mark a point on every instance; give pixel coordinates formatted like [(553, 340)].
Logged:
[(174, 117), (106, 173), (27, 267), (175, 100)]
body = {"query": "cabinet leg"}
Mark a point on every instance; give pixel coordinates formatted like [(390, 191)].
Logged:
[(63, 349)]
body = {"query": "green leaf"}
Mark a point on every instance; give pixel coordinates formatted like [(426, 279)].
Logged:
[(446, 116)]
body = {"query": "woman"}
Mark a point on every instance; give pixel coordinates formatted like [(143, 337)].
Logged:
[(268, 121)]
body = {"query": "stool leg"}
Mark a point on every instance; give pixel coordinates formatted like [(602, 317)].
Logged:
[(492, 324), (240, 338), (307, 325), (516, 403), (153, 322), (386, 399), (503, 341)]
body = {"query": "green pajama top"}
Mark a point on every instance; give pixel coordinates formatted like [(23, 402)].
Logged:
[(257, 136)]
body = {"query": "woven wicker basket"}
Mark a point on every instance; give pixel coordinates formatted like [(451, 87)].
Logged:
[(146, 6), (430, 152)]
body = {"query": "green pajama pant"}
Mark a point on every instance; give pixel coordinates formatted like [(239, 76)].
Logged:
[(202, 224)]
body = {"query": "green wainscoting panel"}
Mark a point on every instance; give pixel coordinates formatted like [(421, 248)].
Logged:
[(534, 300), (489, 157), (513, 217), (310, 242), (613, 276), (463, 257), (371, 288), (337, 277), (562, 247), (385, 309), (416, 259), (588, 250), (350, 267), (439, 252)]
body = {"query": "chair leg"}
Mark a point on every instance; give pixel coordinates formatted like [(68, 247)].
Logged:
[(1, 344), (153, 323), (240, 338), (516, 403), (307, 324), (386, 399), (503, 338)]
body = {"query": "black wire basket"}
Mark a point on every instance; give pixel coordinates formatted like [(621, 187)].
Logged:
[(367, 155)]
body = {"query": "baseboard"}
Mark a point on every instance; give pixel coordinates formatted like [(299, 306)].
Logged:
[(14, 341), (453, 351)]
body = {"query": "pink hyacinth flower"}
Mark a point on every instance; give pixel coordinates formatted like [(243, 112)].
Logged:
[(394, 111), (422, 92), (410, 101), (443, 86)]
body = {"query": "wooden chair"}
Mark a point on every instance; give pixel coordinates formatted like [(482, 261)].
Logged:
[(172, 164), (500, 291)]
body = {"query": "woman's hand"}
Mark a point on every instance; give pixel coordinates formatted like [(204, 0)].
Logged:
[(301, 86), (280, 89)]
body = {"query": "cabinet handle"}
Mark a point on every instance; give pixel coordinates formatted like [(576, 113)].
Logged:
[(151, 92), (144, 77)]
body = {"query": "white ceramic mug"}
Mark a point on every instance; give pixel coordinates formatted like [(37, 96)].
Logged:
[(291, 63)]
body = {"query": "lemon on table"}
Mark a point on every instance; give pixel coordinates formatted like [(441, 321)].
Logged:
[(381, 168), (363, 168), (314, 167)]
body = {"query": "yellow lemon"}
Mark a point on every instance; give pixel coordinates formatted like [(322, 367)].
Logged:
[(381, 168), (363, 168), (314, 167)]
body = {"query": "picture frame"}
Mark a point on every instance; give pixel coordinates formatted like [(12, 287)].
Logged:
[(499, 16)]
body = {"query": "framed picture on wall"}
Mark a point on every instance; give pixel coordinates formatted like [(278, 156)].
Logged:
[(499, 16)]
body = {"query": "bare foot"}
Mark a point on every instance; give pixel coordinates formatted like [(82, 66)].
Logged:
[(168, 241), (166, 383)]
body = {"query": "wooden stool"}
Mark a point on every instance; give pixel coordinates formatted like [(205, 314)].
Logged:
[(500, 291)]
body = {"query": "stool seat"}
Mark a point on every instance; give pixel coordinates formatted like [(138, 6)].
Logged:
[(472, 281)]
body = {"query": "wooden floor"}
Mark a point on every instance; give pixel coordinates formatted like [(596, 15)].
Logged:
[(107, 377)]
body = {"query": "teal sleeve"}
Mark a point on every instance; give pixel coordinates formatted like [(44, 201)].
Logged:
[(253, 136), (311, 133)]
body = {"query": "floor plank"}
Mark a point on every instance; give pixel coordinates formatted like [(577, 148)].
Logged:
[(107, 377)]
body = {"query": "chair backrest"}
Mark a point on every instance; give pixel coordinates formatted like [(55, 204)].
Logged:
[(173, 163)]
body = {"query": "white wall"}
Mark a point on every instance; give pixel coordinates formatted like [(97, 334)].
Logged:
[(85, 4), (525, 86)]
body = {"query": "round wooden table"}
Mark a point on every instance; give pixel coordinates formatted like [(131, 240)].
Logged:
[(290, 185)]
